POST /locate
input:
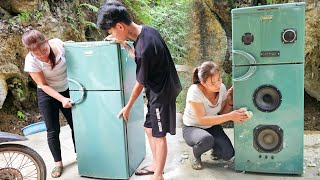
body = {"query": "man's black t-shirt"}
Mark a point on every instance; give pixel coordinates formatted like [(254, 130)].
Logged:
[(155, 67)]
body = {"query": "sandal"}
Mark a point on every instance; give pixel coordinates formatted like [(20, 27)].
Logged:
[(214, 156), (143, 171), (196, 163), (56, 171)]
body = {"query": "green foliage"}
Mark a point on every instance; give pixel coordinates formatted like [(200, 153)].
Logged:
[(186, 81), (89, 6), (72, 22), (16, 87), (81, 21), (21, 115), (140, 9), (25, 16), (37, 15), (170, 18), (227, 80), (91, 25), (269, 1)]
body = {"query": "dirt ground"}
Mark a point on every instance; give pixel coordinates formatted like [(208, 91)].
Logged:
[(12, 123), (311, 113)]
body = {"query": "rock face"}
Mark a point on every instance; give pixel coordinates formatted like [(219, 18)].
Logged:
[(8, 71), (312, 50), (208, 40), (210, 33), (19, 6)]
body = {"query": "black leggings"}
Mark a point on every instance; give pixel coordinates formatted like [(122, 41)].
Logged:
[(49, 109), (202, 140)]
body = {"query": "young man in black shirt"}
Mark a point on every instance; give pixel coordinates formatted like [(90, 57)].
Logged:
[(155, 72)]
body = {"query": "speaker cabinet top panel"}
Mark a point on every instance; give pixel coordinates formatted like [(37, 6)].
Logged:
[(254, 9), (270, 34)]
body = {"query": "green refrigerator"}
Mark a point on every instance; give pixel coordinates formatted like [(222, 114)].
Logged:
[(268, 79), (101, 77)]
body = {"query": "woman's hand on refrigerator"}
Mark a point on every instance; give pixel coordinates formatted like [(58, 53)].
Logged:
[(66, 103), (230, 96), (125, 112)]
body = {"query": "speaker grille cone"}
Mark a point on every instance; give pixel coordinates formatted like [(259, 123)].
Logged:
[(247, 38), (289, 36), (268, 138), (267, 98)]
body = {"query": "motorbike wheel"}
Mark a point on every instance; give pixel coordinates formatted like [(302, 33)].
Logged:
[(21, 162)]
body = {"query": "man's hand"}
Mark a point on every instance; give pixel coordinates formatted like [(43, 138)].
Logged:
[(115, 40), (124, 44), (125, 112)]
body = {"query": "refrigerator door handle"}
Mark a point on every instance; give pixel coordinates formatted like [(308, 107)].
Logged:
[(81, 90), (251, 60)]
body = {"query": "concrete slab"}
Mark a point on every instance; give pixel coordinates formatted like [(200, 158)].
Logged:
[(178, 166)]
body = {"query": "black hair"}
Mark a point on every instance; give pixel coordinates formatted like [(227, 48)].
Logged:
[(195, 77), (203, 72), (111, 13), (52, 58)]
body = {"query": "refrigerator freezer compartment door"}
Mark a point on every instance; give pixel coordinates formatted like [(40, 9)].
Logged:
[(100, 135), (270, 33), (94, 64)]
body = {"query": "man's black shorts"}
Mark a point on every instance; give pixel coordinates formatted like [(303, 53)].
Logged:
[(161, 118)]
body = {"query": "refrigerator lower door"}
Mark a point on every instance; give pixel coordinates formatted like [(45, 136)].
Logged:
[(100, 135)]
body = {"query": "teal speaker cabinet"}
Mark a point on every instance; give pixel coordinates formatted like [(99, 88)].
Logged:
[(268, 79)]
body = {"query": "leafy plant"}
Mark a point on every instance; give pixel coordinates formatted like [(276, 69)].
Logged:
[(269, 1), (170, 18), (140, 9), (16, 87), (21, 115), (25, 16), (89, 6), (37, 15), (185, 79), (82, 22)]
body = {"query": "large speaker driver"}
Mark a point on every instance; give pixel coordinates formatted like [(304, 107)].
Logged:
[(267, 98), (268, 138)]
